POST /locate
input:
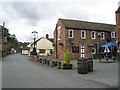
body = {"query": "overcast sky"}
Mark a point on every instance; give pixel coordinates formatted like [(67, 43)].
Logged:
[(22, 18)]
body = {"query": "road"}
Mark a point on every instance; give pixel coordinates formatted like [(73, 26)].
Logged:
[(19, 72)]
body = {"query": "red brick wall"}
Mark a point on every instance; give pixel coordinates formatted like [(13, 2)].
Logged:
[(118, 27), (76, 41)]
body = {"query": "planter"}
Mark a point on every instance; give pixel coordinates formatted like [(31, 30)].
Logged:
[(67, 66), (48, 62), (82, 66), (40, 60), (59, 65), (90, 64), (52, 64)]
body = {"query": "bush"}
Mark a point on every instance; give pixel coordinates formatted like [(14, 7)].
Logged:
[(33, 53)]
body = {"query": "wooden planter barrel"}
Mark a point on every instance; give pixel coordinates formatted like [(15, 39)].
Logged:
[(90, 64), (82, 66)]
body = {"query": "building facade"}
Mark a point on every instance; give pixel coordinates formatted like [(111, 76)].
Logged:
[(80, 37), (44, 46)]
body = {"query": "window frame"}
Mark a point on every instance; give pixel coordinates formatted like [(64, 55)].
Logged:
[(93, 34), (103, 37), (42, 51), (84, 34), (75, 48), (69, 33), (94, 50), (113, 34), (58, 32)]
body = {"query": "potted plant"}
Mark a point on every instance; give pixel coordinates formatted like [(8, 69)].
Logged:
[(54, 63), (66, 64)]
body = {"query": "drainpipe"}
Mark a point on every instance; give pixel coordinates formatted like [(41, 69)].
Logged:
[(56, 42)]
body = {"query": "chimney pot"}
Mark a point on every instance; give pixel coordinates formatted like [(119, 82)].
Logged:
[(47, 36)]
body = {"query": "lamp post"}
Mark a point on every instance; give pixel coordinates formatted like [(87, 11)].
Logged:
[(34, 37)]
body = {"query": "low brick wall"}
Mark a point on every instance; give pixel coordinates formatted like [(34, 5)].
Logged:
[(34, 58)]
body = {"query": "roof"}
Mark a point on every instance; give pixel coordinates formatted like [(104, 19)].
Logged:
[(118, 10), (51, 39), (25, 48), (85, 25)]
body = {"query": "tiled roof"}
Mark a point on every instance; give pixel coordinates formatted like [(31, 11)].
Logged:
[(84, 25), (51, 39), (118, 10)]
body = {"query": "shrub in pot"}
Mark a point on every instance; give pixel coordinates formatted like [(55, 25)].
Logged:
[(54, 63), (66, 64)]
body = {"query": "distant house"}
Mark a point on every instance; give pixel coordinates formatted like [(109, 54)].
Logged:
[(44, 46), (25, 50)]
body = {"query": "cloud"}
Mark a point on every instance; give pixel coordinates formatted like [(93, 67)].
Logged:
[(24, 17)]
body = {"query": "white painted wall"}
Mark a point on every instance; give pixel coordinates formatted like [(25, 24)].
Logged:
[(44, 44), (25, 52)]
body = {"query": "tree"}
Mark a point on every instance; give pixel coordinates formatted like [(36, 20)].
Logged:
[(67, 58)]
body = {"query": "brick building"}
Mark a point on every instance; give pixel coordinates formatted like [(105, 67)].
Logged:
[(118, 29), (80, 37)]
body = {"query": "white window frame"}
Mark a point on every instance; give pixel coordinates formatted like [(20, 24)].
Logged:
[(94, 35), (82, 51), (58, 32), (69, 33), (94, 51), (113, 34), (102, 37), (84, 34)]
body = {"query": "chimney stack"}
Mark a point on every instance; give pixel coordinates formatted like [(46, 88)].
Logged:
[(47, 36)]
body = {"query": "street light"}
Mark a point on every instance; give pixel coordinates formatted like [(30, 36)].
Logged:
[(34, 37)]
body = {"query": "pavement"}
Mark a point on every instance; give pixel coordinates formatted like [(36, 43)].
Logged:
[(19, 72)]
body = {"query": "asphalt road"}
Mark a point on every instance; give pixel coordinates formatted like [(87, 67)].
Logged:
[(19, 72)]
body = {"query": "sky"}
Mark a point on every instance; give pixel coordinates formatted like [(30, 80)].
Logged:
[(23, 17)]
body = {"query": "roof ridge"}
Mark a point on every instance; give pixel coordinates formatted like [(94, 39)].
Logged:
[(85, 21)]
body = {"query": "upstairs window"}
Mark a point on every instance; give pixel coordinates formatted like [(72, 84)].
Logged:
[(75, 49), (70, 33), (113, 35), (93, 35), (102, 35), (83, 34), (58, 32)]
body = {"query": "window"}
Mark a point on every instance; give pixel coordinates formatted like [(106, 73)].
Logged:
[(41, 50), (75, 49), (93, 34), (59, 31), (102, 35), (70, 33), (113, 35), (82, 51), (83, 34), (93, 51)]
